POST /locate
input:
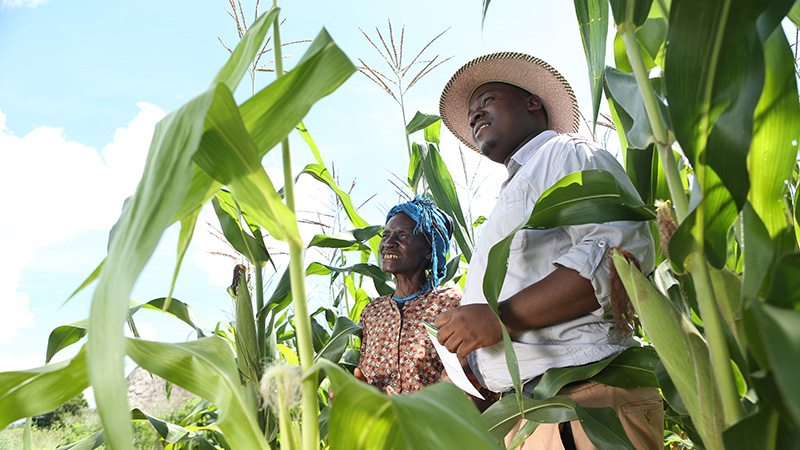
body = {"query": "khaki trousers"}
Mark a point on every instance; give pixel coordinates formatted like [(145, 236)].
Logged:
[(639, 409)]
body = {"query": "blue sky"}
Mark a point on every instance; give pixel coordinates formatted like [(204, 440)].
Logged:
[(82, 85)]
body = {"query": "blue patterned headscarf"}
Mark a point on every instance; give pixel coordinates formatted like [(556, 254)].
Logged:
[(437, 228)]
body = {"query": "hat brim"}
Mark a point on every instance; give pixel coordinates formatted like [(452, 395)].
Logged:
[(518, 69)]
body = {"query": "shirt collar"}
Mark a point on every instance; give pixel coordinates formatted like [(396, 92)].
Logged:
[(526, 152)]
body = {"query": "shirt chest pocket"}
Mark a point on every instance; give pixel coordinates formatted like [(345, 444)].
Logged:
[(516, 211)]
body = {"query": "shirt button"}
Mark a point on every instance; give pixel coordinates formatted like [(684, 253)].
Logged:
[(601, 244)]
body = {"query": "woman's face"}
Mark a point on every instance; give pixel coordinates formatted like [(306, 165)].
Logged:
[(404, 253)]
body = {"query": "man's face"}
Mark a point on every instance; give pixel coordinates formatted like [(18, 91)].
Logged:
[(502, 118)]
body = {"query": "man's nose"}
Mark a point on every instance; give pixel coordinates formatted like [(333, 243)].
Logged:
[(475, 117)]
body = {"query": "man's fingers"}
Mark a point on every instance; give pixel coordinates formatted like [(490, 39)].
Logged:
[(442, 319), (444, 334)]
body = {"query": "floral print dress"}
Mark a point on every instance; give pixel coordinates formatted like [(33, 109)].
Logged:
[(395, 348)]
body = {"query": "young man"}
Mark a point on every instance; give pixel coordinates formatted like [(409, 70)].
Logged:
[(555, 300)]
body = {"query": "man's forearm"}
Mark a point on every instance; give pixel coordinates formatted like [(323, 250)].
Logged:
[(560, 296)]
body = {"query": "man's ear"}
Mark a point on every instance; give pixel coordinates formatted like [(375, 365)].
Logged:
[(534, 103)]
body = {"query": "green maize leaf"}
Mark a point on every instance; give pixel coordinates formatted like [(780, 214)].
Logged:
[(205, 367), (230, 156), (635, 367), (414, 167), (184, 238), (21, 391), (90, 442), (714, 88), (336, 345), (640, 166), (66, 335), (624, 90), (27, 435), (668, 390), (631, 11), (757, 430), (727, 290), (651, 36), (303, 132), (451, 268), (402, 421), (772, 153), (621, 60), (318, 336), (346, 239), (281, 296), (420, 121), (584, 197), (321, 173), (432, 132), (166, 179), (720, 213), (784, 290), (247, 354), (228, 215), (794, 14), (91, 278), (277, 109), (780, 330), (682, 349), (232, 72), (170, 432), (758, 252), (445, 196), (607, 431), (503, 415), (592, 18)]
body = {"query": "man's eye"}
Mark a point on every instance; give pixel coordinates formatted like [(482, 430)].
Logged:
[(487, 100)]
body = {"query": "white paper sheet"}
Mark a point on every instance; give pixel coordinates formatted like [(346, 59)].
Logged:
[(452, 364)]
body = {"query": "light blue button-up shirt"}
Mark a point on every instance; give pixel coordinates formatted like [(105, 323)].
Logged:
[(533, 169)]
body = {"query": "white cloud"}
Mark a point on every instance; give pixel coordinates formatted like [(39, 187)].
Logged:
[(57, 188), (21, 3)]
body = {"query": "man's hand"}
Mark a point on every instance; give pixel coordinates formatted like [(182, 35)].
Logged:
[(466, 328)]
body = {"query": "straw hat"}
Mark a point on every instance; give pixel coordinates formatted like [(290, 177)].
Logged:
[(518, 69)]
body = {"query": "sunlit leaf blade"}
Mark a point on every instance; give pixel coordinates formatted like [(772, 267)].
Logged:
[(21, 392), (445, 196), (90, 442), (402, 421), (169, 432), (420, 121), (503, 415), (205, 367), (773, 150), (593, 22), (166, 178), (794, 14), (432, 132), (322, 174), (91, 278), (780, 330), (184, 238), (230, 156), (584, 197), (273, 112), (414, 167), (682, 349), (345, 239), (64, 336), (714, 88), (232, 72)]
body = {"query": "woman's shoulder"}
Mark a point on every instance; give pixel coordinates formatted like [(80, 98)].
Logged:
[(447, 294), (376, 305)]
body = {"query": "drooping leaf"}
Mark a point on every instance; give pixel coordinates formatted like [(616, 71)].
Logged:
[(635, 367), (414, 167), (90, 442), (432, 132), (402, 421), (228, 214), (445, 196), (420, 121), (593, 22), (631, 11), (232, 72), (205, 367), (607, 431), (89, 280), (334, 348), (626, 95), (346, 239), (184, 238), (169, 432), (773, 150), (784, 290), (21, 391)]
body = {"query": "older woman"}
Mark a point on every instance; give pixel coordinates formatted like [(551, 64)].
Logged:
[(396, 353)]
